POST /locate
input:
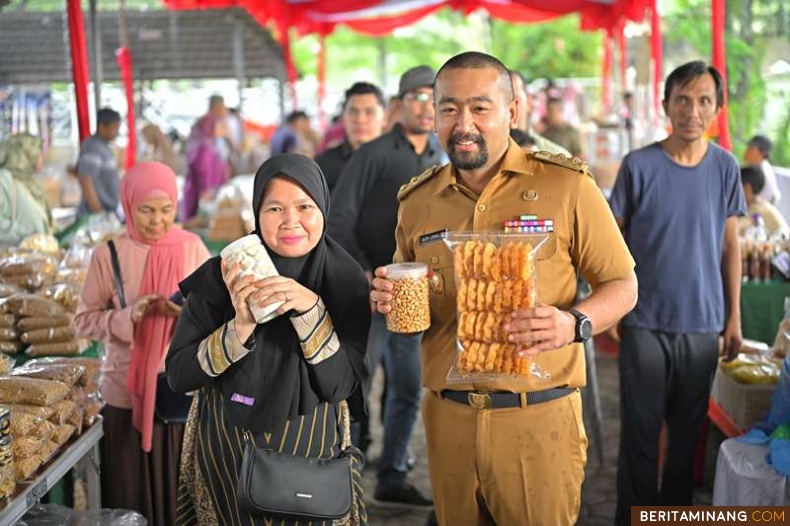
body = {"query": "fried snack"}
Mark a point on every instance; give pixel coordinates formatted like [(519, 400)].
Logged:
[(458, 262), (471, 294), (481, 294), (507, 295), (518, 294), (471, 357), (481, 356), (477, 261), (462, 355), (489, 324), (469, 325), (490, 294), (493, 356), (489, 254), (33, 323), (461, 298), (469, 257), (479, 324)]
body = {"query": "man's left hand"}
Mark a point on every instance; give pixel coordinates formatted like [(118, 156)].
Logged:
[(539, 329), (732, 339)]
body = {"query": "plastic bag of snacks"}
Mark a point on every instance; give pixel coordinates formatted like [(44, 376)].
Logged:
[(32, 305), (69, 374), (65, 294), (495, 274), (68, 348), (91, 377), (40, 243), (20, 390)]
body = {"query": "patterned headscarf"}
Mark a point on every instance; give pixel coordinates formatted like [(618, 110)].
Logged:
[(19, 154)]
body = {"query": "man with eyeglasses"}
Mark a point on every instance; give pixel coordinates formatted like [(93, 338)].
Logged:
[(363, 219)]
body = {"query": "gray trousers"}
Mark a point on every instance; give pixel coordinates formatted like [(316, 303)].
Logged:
[(664, 377)]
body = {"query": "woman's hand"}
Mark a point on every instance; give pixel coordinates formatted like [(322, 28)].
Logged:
[(169, 308), (239, 290), (292, 293), (143, 305)]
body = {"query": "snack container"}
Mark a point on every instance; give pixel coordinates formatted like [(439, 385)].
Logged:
[(411, 310), (495, 274), (254, 260)]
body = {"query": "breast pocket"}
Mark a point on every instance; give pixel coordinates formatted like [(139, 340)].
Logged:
[(440, 262), (547, 262)]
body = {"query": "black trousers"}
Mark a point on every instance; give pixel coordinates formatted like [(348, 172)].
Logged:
[(664, 377)]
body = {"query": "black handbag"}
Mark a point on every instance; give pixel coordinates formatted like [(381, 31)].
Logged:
[(281, 485), (169, 407)]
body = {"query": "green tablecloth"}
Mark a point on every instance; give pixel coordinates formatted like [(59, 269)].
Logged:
[(762, 308)]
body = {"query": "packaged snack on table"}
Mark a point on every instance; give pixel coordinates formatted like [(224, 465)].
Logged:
[(65, 294), (40, 243), (63, 433), (24, 304), (41, 411), (20, 390), (24, 468), (495, 274), (69, 374), (254, 260), (64, 412), (8, 334), (7, 475), (7, 320), (48, 335), (42, 322), (411, 311), (23, 423), (69, 348), (91, 377)]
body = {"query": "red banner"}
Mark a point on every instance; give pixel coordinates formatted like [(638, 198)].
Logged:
[(79, 66), (124, 58)]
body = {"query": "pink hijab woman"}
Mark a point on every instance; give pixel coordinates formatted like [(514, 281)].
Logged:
[(164, 268)]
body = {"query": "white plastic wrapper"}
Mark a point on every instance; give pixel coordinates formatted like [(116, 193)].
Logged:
[(253, 260), (495, 274)]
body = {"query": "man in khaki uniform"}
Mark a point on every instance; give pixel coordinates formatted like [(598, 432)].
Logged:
[(508, 451)]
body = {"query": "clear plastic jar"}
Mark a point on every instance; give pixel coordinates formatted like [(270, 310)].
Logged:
[(253, 260), (411, 310)]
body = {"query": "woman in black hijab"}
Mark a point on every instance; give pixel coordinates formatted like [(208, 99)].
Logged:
[(282, 380)]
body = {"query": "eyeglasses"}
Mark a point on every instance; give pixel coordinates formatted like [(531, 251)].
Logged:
[(419, 96)]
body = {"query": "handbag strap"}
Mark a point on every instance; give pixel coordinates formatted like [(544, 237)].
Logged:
[(116, 271)]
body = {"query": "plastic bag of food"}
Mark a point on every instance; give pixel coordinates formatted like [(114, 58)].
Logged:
[(71, 348), (8, 290), (38, 322), (64, 409), (48, 335), (65, 294), (22, 423), (90, 378), (76, 418), (495, 274), (40, 243), (71, 276), (45, 430), (25, 304), (27, 263), (78, 256), (7, 320), (40, 411), (69, 374), (57, 515), (92, 406), (27, 446), (8, 334), (63, 433), (21, 390), (10, 347), (24, 468), (6, 363)]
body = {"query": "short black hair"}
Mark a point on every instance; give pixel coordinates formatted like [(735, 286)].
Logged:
[(753, 176), (295, 116), (365, 88), (684, 74), (762, 143), (514, 73), (477, 60), (106, 116)]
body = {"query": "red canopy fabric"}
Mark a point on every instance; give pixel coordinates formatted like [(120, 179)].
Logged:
[(79, 66), (123, 57)]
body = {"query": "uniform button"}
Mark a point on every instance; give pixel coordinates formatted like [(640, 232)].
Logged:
[(481, 208), (434, 260)]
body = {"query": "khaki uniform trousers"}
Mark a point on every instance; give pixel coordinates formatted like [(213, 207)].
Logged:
[(506, 467)]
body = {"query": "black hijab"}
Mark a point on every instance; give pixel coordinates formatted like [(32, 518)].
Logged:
[(275, 374)]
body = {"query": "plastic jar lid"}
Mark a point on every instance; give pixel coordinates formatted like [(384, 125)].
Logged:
[(406, 270), (240, 244)]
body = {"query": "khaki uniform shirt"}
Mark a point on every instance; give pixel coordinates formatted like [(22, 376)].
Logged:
[(585, 237)]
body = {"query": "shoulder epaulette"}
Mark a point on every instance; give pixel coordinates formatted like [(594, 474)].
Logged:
[(416, 181), (560, 159)]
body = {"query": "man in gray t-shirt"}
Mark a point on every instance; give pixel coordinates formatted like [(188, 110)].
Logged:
[(97, 168), (677, 203)]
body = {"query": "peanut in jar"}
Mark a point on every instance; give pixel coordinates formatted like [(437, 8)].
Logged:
[(410, 292)]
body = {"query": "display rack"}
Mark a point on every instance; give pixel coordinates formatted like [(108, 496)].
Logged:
[(27, 494)]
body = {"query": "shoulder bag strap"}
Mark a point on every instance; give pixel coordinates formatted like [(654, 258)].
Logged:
[(116, 271), (345, 415)]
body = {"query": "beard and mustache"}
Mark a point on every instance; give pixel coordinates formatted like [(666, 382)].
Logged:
[(467, 160)]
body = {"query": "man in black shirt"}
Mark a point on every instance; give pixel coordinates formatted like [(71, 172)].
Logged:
[(363, 219), (363, 121)]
